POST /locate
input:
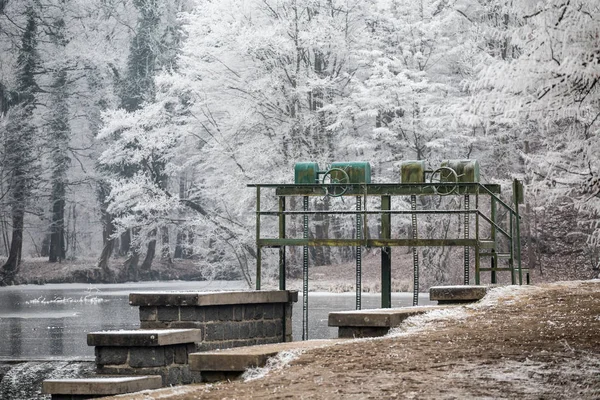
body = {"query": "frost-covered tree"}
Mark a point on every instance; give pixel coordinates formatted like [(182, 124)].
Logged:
[(19, 142), (547, 92), (58, 137)]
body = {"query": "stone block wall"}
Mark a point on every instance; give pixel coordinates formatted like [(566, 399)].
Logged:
[(225, 326), (170, 362), (220, 320)]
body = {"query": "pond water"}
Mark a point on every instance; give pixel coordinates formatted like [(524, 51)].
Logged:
[(52, 321)]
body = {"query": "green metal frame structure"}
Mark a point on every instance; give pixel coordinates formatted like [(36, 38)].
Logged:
[(484, 247)]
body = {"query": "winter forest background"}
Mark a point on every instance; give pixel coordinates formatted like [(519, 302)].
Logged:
[(129, 129)]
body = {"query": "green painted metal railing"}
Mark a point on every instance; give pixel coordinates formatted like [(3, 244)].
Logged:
[(385, 241)]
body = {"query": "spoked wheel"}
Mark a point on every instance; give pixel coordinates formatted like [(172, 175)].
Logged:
[(336, 182), (440, 178)]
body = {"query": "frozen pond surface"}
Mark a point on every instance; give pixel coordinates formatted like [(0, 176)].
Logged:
[(52, 321)]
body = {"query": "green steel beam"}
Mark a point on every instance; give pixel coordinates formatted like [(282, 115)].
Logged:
[(366, 242), (379, 189), (364, 212)]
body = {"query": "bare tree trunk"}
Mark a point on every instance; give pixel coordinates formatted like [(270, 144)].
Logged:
[(11, 267), (108, 230), (125, 243), (57, 229), (165, 250), (146, 266)]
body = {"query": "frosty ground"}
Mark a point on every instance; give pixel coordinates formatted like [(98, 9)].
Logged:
[(529, 342)]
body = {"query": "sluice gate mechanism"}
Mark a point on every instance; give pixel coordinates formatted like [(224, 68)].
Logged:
[(490, 227)]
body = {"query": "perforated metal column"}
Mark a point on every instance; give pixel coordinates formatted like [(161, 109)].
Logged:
[(466, 236), (413, 207), (358, 253), (305, 274)]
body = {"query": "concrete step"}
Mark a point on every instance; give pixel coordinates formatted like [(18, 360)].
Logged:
[(178, 298), (99, 387), (144, 337), (372, 323), (230, 363), (457, 294)]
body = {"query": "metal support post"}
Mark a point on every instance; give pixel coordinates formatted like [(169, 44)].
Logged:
[(358, 253), (305, 274), (258, 248), (494, 259), (518, 186), (386, 255), (282, 266), (513, 277), (477, 244), (413, 207), (466, 249)]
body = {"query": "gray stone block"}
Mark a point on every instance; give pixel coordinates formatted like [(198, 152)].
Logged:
[(206, 346), (140, 357), (214, 332), (174, 376), (225, 313), (270, 328), (186, 325), (148, 313), (260, 329), (238, 313), (196, 376), (181, 354), (111, 355), (227, 344), (278, 311), (167, 313), (253, 312), (154, 325), (211, 313), (288, 326), (278, 328), (231, 330), (268, 311), (170, 354), (245, 329), (191, 314)]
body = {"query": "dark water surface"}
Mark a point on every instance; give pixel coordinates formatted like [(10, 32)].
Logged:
[(52, 321)]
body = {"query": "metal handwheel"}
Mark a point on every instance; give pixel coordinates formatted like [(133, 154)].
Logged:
[(444, 175), (336, 182)]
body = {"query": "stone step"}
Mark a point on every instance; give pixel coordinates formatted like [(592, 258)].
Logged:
[(457, 294), (372, 323), (172, 299), (144, 337), (228, 363), (99, 387)]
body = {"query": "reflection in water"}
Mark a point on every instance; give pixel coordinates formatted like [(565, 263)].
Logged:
[(40, 326), (56, 339), (15, 337), (52, 321)]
